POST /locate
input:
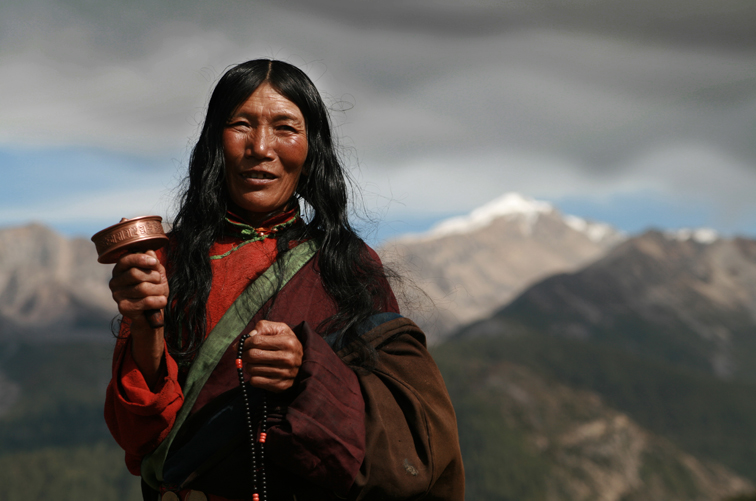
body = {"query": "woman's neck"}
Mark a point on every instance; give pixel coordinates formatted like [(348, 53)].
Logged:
[(257, 219)]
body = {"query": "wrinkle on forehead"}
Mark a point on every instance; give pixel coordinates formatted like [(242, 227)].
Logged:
[(268, 102)]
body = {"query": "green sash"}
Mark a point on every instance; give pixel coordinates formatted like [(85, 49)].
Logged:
[(236, 318)]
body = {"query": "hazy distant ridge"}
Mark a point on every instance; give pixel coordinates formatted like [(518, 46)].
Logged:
[(50, 284)]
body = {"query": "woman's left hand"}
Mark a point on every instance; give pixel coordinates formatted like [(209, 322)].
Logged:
[(272, 356)]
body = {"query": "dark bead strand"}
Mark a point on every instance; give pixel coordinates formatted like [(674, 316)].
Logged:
[(263, 429), (253, 444)]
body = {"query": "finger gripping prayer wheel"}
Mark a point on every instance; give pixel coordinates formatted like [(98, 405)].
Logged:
[(139, 234)]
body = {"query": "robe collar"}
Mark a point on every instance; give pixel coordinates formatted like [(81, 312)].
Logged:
[(236, 225)]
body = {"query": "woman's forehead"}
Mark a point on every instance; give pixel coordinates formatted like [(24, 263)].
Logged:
[(266, 100)]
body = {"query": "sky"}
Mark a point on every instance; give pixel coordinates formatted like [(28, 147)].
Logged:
[(640, 114)]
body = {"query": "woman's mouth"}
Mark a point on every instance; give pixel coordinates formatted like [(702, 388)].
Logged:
[(257, 175)]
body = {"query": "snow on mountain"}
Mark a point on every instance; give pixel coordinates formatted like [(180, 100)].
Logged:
[(597, 232), (516, 206), (509, 204), (703, 236)]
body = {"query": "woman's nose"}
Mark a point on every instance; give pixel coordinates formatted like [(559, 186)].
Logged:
[(259, 143)]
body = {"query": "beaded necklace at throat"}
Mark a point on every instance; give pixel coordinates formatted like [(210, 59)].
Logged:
[(240, 228), (257, 446)]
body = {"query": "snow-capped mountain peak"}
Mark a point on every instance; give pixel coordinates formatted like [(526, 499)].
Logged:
[(477, 262), (526, 212), (509, 204)]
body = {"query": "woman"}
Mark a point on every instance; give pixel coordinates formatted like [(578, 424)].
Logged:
[(339, 398)]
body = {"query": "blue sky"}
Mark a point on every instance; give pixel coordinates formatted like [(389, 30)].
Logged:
[(641, 117)]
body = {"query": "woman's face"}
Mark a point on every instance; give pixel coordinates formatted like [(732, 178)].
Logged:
[(265, 147)]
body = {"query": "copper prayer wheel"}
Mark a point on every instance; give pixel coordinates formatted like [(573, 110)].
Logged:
[(138, 234)]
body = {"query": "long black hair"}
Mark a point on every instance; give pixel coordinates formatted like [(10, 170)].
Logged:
[(355, 281)]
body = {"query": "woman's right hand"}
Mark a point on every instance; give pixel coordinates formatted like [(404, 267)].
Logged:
[(140, 284)]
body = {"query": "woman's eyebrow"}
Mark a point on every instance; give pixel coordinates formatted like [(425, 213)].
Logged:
[(279, 116), (285, 116)]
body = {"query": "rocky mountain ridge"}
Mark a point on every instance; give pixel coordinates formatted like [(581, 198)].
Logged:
[(685, 300), (50, 284), (467, 267)]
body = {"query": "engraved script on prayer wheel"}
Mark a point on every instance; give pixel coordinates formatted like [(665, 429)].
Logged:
[(139, 234)]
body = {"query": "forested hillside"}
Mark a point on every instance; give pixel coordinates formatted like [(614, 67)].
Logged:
[(54, 444)]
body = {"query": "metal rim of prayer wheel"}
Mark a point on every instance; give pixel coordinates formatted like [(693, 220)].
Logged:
[(138, 234)]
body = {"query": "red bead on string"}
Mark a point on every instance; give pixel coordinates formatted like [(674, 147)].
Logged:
[(257, 452)]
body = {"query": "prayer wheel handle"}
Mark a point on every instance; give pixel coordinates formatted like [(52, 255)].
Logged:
[(138, 234)]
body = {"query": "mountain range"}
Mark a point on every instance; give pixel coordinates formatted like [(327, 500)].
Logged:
[(686, 299), (467, 267), (583, 363), (462, 270)]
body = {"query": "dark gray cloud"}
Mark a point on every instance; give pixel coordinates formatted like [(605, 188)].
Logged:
[(446, 100), (727, 23)]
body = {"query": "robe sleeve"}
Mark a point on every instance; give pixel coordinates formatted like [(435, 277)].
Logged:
[(412, 445), (138, 417), (317, 428)]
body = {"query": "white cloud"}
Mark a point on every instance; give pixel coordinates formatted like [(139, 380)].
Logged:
[(445, 185), (105, 207)]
